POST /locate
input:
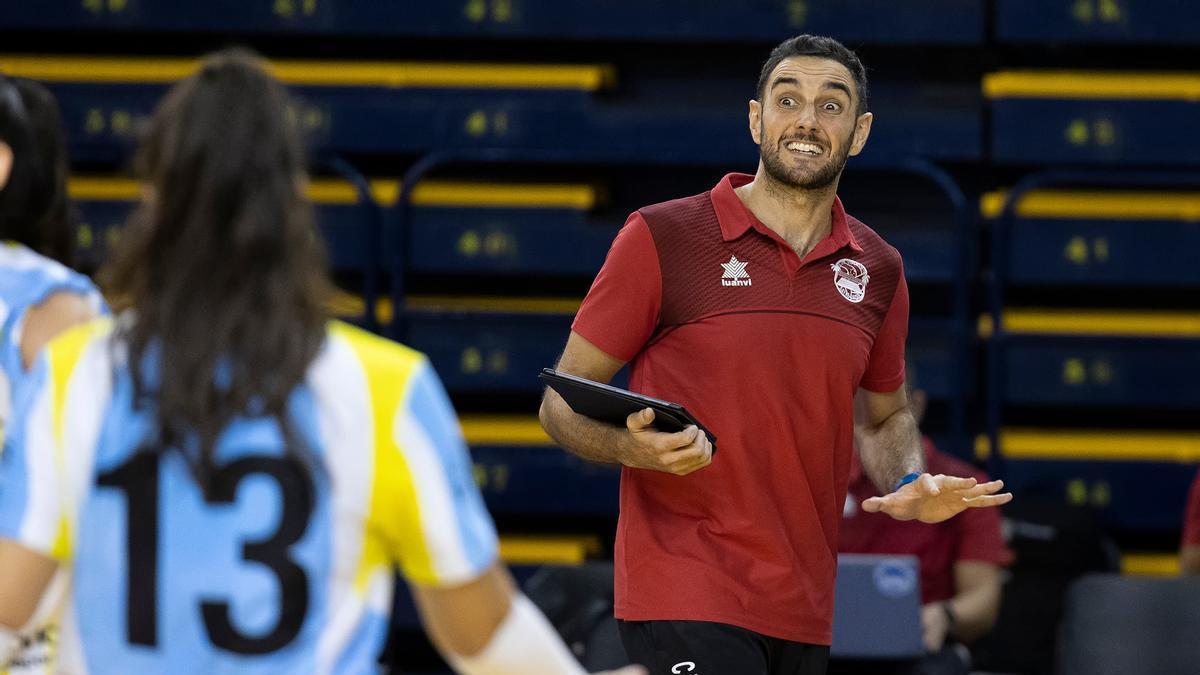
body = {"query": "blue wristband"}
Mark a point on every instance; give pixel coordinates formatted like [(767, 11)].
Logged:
[(905, 481)]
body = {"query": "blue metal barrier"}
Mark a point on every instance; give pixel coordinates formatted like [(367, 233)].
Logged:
[(372, 242)]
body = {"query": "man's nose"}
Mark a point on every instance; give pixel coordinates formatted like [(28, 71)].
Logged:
[(806, 118)]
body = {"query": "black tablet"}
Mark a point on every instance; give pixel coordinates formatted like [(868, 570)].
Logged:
[(611, 404)]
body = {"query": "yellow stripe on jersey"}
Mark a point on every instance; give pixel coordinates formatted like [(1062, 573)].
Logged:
[(394, 521), (64, 353)]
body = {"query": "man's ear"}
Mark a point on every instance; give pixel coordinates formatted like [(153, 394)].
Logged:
[(755, 119), (6, 162), (862, 129)]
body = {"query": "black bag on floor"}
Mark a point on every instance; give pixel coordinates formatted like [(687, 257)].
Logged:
[(579, 603)]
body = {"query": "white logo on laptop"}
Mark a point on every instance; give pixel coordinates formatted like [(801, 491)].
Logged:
[(850, 279), (735, 273), (895, 579)]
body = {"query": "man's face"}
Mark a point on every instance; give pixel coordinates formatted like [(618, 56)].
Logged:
[(806, 125)]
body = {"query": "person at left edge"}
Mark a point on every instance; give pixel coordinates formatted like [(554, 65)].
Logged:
[(40, 295)]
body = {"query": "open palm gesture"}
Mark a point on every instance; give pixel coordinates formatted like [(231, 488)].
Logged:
[(932, 499)]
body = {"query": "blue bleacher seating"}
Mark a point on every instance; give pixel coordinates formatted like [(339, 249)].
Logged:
[(931, 350), (1131, 494), (485, 351), (524, 480), (1149, 22), (1094, 118), (1123, 373), (674, 111), (104, 205), (856, 21), (102, 117), (1128, 253), (1115, 362)]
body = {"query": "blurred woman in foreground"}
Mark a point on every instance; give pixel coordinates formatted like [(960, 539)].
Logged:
[(229, 477)]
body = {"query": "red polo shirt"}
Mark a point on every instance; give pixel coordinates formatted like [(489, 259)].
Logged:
[(973, 534), (717, 312), (1191, 522)]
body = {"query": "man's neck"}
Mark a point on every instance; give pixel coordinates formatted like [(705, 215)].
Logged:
[(801, 217)]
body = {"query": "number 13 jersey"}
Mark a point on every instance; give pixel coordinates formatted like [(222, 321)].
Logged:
[(279, 567)]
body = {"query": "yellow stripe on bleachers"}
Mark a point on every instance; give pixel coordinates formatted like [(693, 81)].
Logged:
[(347, 304), (1150, 564), (522, 430), (1120, 323), (1105, 445), (486, 304), (386, 192), (585, 77), (1064, 84), (1098, 205), (501, 195), (548, 549)]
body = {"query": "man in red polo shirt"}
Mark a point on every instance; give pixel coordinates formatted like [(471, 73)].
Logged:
[(1189, 552), (960, 558), (765, 309)]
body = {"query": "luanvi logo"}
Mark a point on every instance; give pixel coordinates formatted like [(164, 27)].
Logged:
[(735, 273), (684, 667)]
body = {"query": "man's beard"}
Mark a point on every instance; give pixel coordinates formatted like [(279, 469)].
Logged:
[(801, 177)]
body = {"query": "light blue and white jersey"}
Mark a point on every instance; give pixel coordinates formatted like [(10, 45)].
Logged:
[(276, 569), (27, 279)]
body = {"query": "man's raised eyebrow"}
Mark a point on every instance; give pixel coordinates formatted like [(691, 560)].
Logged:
[(834, 84), (784, 80)]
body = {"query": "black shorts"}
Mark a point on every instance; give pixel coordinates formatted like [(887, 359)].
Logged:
[(706, 648)]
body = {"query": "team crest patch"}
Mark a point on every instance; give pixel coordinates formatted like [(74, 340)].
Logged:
[(850, 279)]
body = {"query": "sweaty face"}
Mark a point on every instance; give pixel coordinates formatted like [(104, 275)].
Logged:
[(807, 121)]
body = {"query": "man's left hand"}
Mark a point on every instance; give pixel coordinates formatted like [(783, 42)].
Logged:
[(935, 627), (932, 499)]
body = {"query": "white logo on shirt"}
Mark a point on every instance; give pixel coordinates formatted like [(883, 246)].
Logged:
[(684, 666), (735, 273), (850, 279)]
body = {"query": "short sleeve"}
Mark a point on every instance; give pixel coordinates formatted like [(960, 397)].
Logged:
[(621, 310), (455, 540), (1191, 521), (885, 370), (30, 487)]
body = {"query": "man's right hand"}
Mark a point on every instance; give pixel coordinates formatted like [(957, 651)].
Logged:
[(679, 453)]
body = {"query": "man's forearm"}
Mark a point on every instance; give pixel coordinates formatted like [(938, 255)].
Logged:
[(891, 450), (976, 604), (582, 436), (974, 613)]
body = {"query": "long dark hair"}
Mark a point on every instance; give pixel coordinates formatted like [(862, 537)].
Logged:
[(221, 264), (33, 203)]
